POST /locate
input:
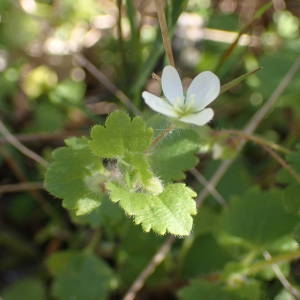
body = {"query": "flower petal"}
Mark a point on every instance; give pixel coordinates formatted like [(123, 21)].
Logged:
[(200, 118), (158, 104), (204, 89), (171, 85)]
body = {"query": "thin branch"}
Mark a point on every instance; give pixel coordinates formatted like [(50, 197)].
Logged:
[(262, 264), (267, 146), (201, 179), (257, 140), (84, 62), (284, 164), (42, 136), (20, 187), (164, 30), (150, 268), (214, 180), (253, 123), (286, 284), (246, 28), (20, 175), (162, 135), (265, 109), (23, 149), (94, 241), (249, 129)]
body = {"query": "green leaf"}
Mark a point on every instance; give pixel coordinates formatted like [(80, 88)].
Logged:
[(296, 233), (236, 181), (28, 288), (291, 199), (108, 214), (175, 154), (293, 159), (259, 217), (46, 118), (206, 221), (120, 135), (204, 257), (68, 92), (79, 276), (170, 211), (290, 194), (75, 176), (204, 290), (125, 140), (284, 295), (139, 166)]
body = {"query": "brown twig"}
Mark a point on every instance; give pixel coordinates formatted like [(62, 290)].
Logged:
[(164, 31), (20, 187), (265, 109), (212, 190), (154, 262), (268, 146), (84, 62), (20, 175), (162, 135), (23, 149), (283, 163), (42, 137), (285, 283), (120, 34), (245, 29), (255, 139)]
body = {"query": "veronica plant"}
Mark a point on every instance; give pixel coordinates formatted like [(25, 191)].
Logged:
[(189, 107)]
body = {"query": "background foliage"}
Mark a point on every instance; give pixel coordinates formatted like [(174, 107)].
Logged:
[(64, 66)]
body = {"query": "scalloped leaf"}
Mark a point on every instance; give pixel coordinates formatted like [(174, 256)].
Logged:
[(126, 140), (175, 154), (108, 215), (170, 211), (120, 135), (79, 276), (75, 175), (259, 217)]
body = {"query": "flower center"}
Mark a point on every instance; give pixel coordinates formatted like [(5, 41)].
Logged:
[(185, 107)]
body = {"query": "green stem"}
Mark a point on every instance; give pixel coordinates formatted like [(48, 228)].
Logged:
[(255, 139), (134, 30), (259, 266), (162, 135), (91, 246), (120, 36)]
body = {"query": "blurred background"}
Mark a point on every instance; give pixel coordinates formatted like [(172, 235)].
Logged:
[(63, 65)]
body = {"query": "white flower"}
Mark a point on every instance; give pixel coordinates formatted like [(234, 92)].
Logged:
[(189, 108)]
